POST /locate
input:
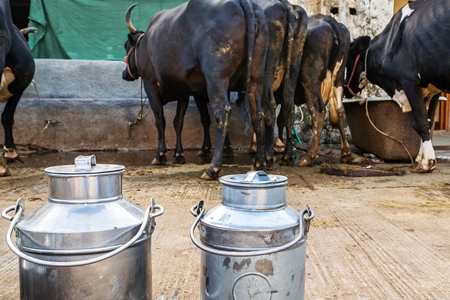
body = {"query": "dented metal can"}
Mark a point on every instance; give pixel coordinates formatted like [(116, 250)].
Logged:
[(253, 244)]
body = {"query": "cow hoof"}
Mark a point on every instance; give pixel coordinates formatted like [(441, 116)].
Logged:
[(304, 162), (419, 169), (179, 159), (278, 149), (13, 160), (157, 162), (228, 152), (259, 167), (11, 155), (287, 160), (205, 177), (346, 159), (210, 175), (4, 172), (204, 152), (271, 165)]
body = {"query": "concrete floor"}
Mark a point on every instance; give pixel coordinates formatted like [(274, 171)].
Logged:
[(372, 238)]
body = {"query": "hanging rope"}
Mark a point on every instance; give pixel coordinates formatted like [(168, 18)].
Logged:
[(46, 120), (140, 116), (368, 115)]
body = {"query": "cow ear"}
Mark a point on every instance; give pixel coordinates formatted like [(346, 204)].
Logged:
[(362, 43), (131, 39)]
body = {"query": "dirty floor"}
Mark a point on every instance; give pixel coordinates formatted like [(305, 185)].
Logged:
[(383, 237)]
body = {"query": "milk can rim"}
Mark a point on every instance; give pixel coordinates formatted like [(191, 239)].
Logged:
[(69, 170), (238, 180)]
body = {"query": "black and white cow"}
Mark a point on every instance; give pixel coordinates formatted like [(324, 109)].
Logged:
[(201, 48), (321, 80), (17, 70), (410, 60)]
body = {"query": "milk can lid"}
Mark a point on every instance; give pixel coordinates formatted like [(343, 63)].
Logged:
[(254, 178), (254, 190), (84, 165)]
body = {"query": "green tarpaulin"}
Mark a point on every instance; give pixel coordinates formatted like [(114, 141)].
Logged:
[(87, 29)]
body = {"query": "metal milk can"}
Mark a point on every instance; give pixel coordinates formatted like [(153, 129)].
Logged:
[(86, 242), (254, 245)]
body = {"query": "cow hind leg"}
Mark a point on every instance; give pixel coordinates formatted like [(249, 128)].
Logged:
[(318, 118), (202, 106), (218, 98), (222, 121), (10, 152), (337, 120), (178, 156), (227, 149), (160, 123), (426, 159), (279, 145)]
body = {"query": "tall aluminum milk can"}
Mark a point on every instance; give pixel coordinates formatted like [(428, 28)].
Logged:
[(86, 242), (254, 245)]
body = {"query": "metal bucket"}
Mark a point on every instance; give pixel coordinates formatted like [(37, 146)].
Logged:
[(86, 242), (254, 244)]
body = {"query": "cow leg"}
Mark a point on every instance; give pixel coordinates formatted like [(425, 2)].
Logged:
[(4, 171), (337, 120), (202, 106), (218, 98), (287, 114), (279, 145), (318, 117), (178, 156), (298, 21), (227, 150), (426, 159), (432, 108), (269, 131), (160, 123), (10, 152)]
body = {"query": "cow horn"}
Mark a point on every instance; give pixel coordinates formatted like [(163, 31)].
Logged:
[(28, 30), (128, 21)]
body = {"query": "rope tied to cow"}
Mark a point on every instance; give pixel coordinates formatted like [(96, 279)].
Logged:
[(46, 120), (127, 57), (385, 134), (363, 83), (366, 100), (140, 116)]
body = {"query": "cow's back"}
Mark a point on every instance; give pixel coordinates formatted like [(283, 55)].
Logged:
[(193, 33), (418, 38)]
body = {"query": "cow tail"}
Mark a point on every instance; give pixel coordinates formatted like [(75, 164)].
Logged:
[(338, 69), (339, 39), (287, 89), (250, 21)]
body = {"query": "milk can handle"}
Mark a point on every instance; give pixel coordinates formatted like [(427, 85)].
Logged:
[(199, 211), (19, 208)]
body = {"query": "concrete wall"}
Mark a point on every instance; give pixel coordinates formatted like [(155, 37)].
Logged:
[(85, 105), (362, 17)]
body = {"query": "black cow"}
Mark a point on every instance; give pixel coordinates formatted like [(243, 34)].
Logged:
[(287, 25), (17, 70), (201, 48), (410, 60), (287, 34), (321, 80)]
